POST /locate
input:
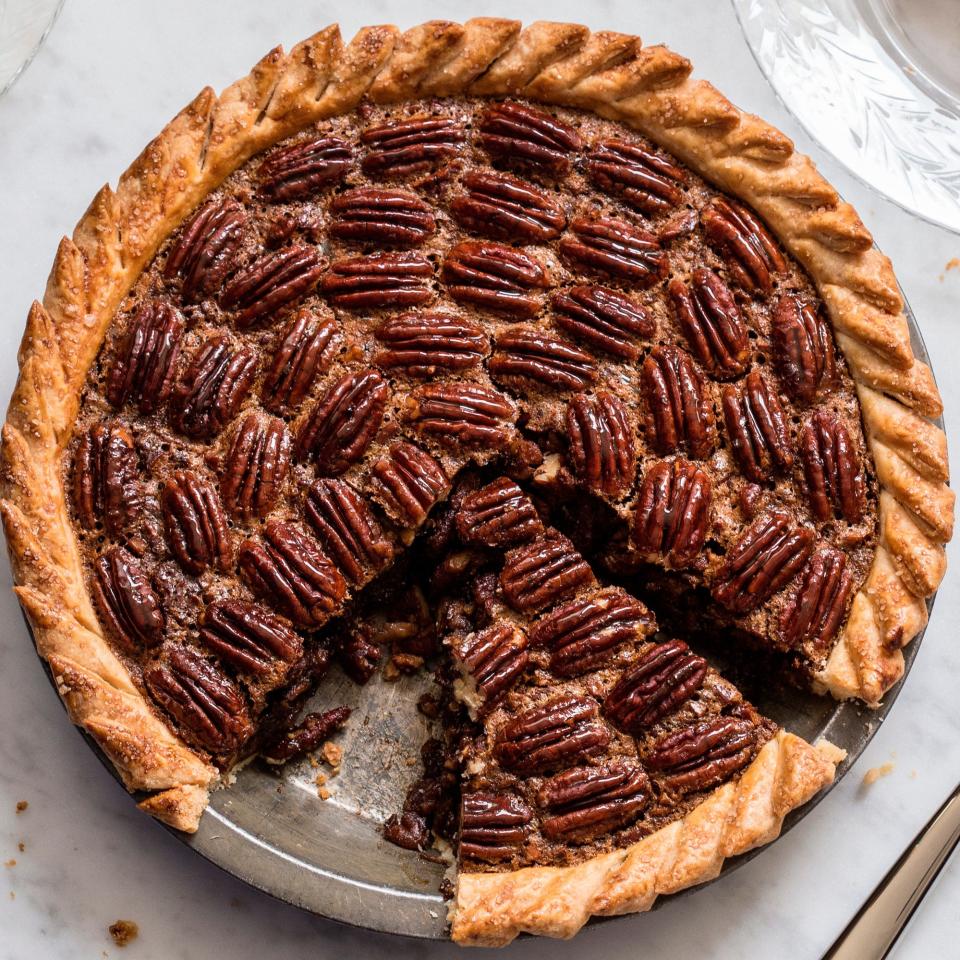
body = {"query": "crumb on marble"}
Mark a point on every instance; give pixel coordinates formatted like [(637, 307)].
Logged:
[(9, 864), (875, 773), (322, 792), (22, 847), (953, 264), (333, 754), (22, 805), (13, 896), (123, 932)]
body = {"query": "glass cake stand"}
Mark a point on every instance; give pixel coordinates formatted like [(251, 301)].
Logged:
[(24, 25)]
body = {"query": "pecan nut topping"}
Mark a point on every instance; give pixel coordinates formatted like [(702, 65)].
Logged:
[(270, 283), (814, 614), (771, 552), (196, 528), (550, 736), (712, 323), (498, 515), (672, 516), (601, 443), (679, 414), (359, 656), (614, 248), (751, 254), (586, 802), (207, 705), (255, 466), (304, 350), (343, 422), (462, 413), (406, 148), (213, 388), (492, 659), (145, 362), (410, 483), (307, 736), (833, 468), (289, 570), (423, 343), (515, 134), (603, 319), (493, 826), (387, 218), (502, 207), (205, 252), (495, 277), (584, 634), (249, 638), (105, 485), (657, 684), (529, 354), (757, 428), (380, 280), (347, 529), (641, 178), (126, 601), (543, 573), (803, 348), (304, 169)]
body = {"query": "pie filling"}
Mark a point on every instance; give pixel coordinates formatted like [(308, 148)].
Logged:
[(464, 345)]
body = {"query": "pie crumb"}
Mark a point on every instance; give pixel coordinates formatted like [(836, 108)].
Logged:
[(22, 847), (875, 773), (333, 754), (123, 932), (322, 792), (22, 805), (953, 264), (10, 863), (13, 896)]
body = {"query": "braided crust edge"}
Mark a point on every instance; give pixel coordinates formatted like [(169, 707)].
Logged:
[(612, 74)]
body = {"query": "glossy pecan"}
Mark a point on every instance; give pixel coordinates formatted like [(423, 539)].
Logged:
[(497, 515), (656, 685), (410, 482), (339, 428), (126, 601), (641, 178), (491, 660), (518, 135), (289, 570), (502, 207), (105, 485), (304, 350), (542, 573), (307, 736), (530, 354), (750, 253), (834, 469), (403, 148), (584, 634), (255, 466), (757, 428), (387, 218), (493, 826), (205, 251), (678, 411), (586, 802), (359, 656), (672, 515), (304, 169), (380, 280), (552, 735), (272, 282), (249, 638), (144, 365), (207, 705), (601, 443), (603, 319), (769, 554), (803, 348), (458, 413), (215, 384), (711, 321), (616, 249), (423, 343), (495, 277), (812, 617), (196, 528), (347, 528)]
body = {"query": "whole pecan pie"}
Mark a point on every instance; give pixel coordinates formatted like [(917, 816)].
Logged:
[(533, 305)]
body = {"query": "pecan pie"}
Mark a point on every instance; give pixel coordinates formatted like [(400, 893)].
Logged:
[(537, 296)]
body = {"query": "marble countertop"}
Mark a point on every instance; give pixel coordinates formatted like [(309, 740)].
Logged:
[(108, 78)]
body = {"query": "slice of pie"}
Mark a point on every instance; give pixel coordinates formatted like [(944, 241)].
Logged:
[(542, 293)]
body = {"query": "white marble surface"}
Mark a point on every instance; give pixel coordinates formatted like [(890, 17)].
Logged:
[(108, 78)]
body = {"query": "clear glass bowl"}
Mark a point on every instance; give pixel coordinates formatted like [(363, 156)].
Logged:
[(24, 25)]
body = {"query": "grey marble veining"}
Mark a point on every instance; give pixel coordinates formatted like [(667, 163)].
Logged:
[(108, 78)]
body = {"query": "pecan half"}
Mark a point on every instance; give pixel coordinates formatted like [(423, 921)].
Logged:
[(213, 387), (403, 148), (380, 280), (423, 343), (813, 616), (410, 483), (495, 277), (272, 282), (304, 350), (662, 679), (304, 169), (387, 218), (601, 443), (359, 656), (126, 601), (678, 411), (586, 802), (711, 321), (751, 254), (530, 354), (462, 413), (204, 252), (492, 659), (492, 826), (641, 178), (502, 207), (307, 736), (771, 552), (249, 638), (339, 428), (672, 516), (255, 466), (616, 249), (803, 348), (145, 362), (603, 319), (834, 469), (583, 634), (196, 528), (542, 573), (105, 485), (757, 428), (347, 528), (289, 570), (205, 702), (498, 515), (553, 735), (518, 135)]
